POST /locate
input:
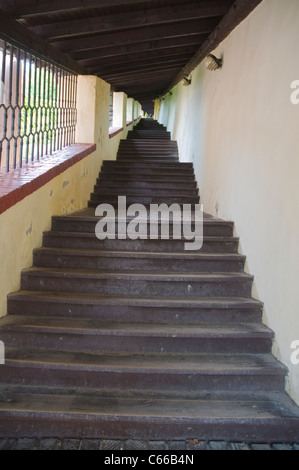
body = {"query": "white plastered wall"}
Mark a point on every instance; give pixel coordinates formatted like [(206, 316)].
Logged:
[(241, 131)]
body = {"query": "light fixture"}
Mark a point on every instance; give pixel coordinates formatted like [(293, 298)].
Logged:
[(186, 81), (213, 63)]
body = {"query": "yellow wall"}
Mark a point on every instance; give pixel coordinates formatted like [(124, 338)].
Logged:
[(22, 226), (241, 130)]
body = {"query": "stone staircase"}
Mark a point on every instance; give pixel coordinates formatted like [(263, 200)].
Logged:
[(139, 339)]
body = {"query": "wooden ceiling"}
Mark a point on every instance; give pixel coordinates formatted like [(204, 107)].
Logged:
[(140, 47)]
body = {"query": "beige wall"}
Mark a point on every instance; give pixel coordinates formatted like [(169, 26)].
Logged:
[(241, 130), (22, 226)]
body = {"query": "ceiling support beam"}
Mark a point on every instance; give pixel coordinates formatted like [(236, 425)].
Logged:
[(133, 19), (137, 35), (139, 47)]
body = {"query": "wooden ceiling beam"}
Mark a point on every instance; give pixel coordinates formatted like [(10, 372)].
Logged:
[(140, 73), (132, 19), (139, 78), (138, 58), (144, 47), (27, 8), (14, 32), (130, 36), (139, 65), (238, 12)]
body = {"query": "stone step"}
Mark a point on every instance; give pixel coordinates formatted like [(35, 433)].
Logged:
[(139, 283), (118, 184), (138, 371), (79, 335), (87, 222), (135, 261), (234, 416), (101, 197), (146, 170), (105, 190), (136, 308), (89, 241), (147, 178)]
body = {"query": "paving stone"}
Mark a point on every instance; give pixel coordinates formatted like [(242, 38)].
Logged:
[(195, 444), (260, 447), (238, 446), (132, 444), (47, 444), (71, 444), (217, 445), (156, 445), (25, 444), (7, 444), (282, 446), (111, 445), (90, 444), (176, 445)]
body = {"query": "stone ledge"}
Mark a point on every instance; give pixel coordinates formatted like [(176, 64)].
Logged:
[(113, 131), (21, 182)]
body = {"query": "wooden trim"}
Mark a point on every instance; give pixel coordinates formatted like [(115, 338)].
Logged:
[(237, 13)]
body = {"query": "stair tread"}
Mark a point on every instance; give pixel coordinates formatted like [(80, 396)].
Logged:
[(141, 254), (159, 363), (211, 409), (140, 275), (98, 326), (56, 233), (221, 302)]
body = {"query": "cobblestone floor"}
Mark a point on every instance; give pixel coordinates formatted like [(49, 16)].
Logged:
[(104, 444)]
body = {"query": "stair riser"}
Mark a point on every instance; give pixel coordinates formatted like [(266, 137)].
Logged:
[(147, 170), (132, 313), (150, 199), (39, 426), (99, 189), (183, 381), (91, 243), (118, 185), (71, 224), (51, 283), (127, 343), (155, 136), (53, 260), (185, 180)]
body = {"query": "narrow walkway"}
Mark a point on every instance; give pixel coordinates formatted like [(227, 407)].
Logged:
[(127, 337)]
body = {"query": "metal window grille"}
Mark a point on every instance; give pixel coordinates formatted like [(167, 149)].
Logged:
[(37, 107)]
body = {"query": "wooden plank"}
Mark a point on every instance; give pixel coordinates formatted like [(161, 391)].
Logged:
[(12, 31), (155, 70), (139, 47), (130, 36), (132, 19), (27, 8), (238, 12), (138, 65), (140, 57)]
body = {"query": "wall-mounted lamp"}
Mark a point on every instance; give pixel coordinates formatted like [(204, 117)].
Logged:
[(213, 63), (186, 81)]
